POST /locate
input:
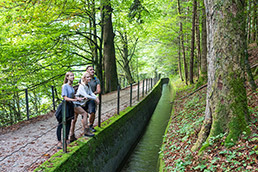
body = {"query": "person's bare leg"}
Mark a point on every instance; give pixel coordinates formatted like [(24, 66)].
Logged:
[(73, 124), (87, 129), (84, 121), (92, 118), (81, 111), (91, 121)]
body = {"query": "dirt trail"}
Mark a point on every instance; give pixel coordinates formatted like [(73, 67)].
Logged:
[(29, 146)]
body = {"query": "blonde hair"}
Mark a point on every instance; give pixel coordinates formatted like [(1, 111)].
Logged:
[(84, 76), (66, 75)]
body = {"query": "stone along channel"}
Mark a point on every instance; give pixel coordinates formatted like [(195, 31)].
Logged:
[(145, 155)]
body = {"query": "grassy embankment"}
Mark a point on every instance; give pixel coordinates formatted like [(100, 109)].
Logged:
[(182, 132)]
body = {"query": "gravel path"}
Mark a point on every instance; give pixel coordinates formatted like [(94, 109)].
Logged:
[(29, 146)]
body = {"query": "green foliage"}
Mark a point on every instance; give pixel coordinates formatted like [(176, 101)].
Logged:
[(38, 44), (214, 156), (184, 128)]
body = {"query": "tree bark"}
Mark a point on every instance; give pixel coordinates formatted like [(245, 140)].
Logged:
[(192, 43), (111, 79), (182, 43), (198, 42), (179, 60), (93, 34), (249, 22), (226, 103), (126, 57), (204, 45), (254, 20)]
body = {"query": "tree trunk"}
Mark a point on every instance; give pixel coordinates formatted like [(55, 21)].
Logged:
[(111, 79), (192, 43), (256, 22), (95, 48), (17, 102), (226, 104), (126, 58), (254, 18), (198, 42), (94, 44), (182, 42), (179, 60), (204, 46), (126, 66), (249, 22)]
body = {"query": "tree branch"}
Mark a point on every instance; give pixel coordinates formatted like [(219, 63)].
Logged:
[(198, 89)]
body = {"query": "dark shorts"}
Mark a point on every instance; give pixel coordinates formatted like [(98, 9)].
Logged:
[(90, 106)]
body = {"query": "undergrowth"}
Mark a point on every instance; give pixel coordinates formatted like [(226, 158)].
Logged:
[(183, 131)]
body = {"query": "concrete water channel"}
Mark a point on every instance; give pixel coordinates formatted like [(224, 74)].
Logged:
[(115, 140), (145, 155)]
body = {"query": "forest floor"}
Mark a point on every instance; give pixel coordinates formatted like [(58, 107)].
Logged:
[(27, 144), (186, 123)]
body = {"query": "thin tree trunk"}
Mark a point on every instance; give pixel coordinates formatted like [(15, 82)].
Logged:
[(255, 20), (126, 60), (179, 60), (95, 51), (192, 43), (249, 22), (198, 42), (204, 46), (253, 31), (182, 42), (17, 102), (249, 72), (247, 64)]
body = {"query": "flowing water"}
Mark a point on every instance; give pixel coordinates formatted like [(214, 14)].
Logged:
[(144, 157)]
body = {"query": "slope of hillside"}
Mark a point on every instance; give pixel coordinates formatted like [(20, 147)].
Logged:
[(185, 125)]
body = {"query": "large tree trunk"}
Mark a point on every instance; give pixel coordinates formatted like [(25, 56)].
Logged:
[(111, 79), (192, 43), (204, 46), (226, 104)]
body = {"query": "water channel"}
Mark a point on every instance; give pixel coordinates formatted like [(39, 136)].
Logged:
[(144, 157)]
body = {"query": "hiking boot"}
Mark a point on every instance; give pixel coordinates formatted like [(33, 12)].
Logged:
[(92, 129), (72, 138), (88, 133)]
